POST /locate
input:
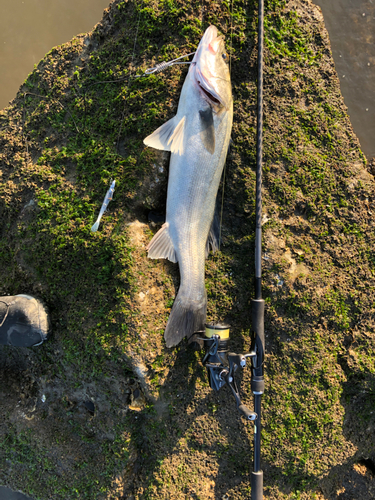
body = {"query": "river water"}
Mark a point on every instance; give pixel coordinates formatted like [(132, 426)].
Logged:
[(351, 28), (7, 494), (30, 28)]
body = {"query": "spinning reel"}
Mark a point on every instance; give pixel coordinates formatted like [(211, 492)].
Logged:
[(222, 365)]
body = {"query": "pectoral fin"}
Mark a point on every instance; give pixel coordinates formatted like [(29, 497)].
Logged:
[(207, 129), (169, 137), (161, 246)]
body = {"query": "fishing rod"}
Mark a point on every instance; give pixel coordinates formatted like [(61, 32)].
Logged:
[(257, 304), (221, 364)]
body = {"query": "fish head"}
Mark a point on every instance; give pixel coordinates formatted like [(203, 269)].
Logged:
[(210, 70)]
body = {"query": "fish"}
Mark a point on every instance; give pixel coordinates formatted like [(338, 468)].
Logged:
[(107, 199), (198, 138)]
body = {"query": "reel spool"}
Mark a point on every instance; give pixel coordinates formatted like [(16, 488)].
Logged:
[(216, 358)]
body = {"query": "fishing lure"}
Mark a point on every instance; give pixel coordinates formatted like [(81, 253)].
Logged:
[(107, 199)]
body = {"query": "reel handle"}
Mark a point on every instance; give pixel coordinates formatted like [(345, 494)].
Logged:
[(248, 414)]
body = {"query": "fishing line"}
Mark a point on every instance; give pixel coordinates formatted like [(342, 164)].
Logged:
[(217, 257), (225, 165), (231, 38), (131, 64), (56, 100), (24, 114)]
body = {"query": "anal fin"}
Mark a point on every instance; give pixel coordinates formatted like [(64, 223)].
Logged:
[(161, 246)]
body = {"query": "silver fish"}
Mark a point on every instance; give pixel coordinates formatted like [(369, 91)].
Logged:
[(198, 138)]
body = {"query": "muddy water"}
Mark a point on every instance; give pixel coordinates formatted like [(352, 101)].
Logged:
[(351, 28), (30, 28), (7, 494)]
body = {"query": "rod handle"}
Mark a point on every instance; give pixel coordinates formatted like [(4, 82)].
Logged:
[(257, 485), (257, 320), (257, 317)]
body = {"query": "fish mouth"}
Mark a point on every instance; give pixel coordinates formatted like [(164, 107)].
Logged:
[(202, 79), (214, 100)]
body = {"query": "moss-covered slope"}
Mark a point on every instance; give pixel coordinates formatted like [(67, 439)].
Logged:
[(157, 430)]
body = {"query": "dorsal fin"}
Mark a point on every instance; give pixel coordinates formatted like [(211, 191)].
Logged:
[(213, 239)]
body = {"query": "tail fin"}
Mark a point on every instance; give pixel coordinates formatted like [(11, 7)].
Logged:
[(187, 316)]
